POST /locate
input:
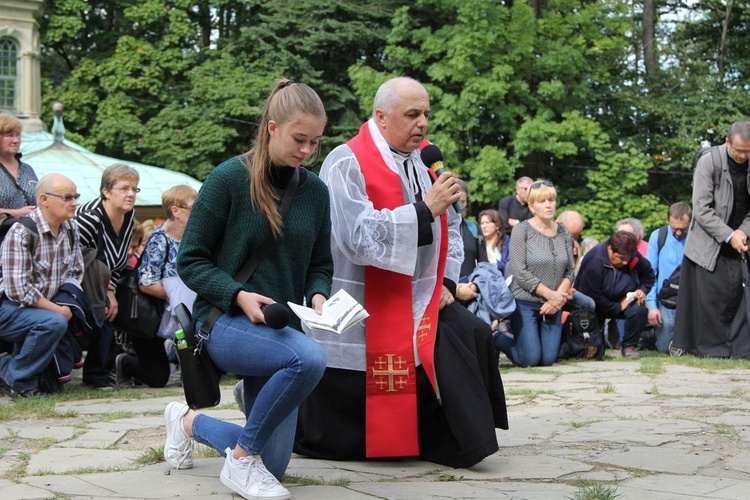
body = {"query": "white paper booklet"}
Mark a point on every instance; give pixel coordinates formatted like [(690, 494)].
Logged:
[(339, 313)]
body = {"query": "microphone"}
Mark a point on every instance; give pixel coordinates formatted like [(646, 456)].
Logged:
[(433, 158), (276, 315)]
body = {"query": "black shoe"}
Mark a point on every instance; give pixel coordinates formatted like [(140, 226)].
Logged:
[(14, 394), (647, 340)]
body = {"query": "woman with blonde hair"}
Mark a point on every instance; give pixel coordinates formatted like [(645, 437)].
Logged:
[(17, 179), (157, 276), (235, 213), (541, 262)]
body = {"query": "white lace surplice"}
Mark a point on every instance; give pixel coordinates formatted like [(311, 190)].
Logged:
[(362, 236)]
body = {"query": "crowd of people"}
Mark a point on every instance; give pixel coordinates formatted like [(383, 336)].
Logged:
[(445, 294)]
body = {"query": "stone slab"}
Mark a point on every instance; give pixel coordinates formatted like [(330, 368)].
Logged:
[(675, 460), (651, 432), (63, 460)]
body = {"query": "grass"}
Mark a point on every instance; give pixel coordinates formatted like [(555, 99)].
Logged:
[(150, 457), (652, 365), (531, 369), (17, 471), (578, 425), (653, 391), (309, 481), (607, 389), (203, 451), (446, 478), (528, 393), (590, 490), (711, 364), (117, 415)]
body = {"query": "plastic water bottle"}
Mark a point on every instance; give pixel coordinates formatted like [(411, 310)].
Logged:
[(179, 336)]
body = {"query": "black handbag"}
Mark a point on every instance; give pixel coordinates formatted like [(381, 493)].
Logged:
[(200, 377), (138, 314)]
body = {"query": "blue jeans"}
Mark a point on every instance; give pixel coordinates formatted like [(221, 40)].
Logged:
[(536, 337), (279, 368), (38, 332), (582, 301), (665, 331)]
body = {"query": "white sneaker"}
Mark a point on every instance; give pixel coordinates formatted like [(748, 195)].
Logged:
[(178, 450), (249, 478)]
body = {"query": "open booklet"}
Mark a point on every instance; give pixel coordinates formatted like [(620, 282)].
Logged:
[(339, 313)]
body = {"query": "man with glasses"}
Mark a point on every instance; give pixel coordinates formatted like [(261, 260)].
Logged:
[(711, 319), (34, 268), (666, 247)]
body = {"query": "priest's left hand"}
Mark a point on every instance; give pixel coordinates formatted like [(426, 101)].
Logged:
[(446, 297)]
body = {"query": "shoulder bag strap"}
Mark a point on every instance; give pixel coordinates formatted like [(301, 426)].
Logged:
[(247, 270), (15, 183)]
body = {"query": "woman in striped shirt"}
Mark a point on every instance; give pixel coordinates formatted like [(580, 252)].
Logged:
[(106, 225)]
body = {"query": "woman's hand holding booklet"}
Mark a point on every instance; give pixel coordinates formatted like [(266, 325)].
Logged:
[(338, 313)]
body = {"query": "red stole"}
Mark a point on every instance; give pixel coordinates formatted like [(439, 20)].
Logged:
[(391, 407)]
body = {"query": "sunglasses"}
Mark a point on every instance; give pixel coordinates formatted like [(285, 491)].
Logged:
[(67, 198), (539, 184)]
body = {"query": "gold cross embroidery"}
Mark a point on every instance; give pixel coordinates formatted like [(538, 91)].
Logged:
[(423, 330), (392, 375)]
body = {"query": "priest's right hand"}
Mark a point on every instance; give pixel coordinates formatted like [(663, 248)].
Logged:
[(444, 193)]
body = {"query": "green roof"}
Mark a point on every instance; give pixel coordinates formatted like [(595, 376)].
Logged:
[(85, 168)]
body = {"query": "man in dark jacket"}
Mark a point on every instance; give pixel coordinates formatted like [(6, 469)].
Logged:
[(618, 278)]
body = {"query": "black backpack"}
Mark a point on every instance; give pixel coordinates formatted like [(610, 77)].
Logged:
[(670, 286), (26, 221), (582, 336)]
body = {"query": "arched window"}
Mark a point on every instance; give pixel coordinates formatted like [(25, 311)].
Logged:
[(8, 73)]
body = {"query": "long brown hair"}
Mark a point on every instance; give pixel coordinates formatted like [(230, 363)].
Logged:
[(286, 99), (494, 216)]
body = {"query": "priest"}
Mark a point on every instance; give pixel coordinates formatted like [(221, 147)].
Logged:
[(419, 377)]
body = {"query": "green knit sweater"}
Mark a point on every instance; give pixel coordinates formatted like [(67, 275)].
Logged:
[(223, 231)]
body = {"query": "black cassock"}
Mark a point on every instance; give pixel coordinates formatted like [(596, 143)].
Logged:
[(458, 433)]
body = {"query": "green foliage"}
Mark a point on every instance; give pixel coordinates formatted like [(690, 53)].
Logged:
[(552, 89)]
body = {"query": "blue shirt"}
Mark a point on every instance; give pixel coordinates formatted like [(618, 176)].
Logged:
[(665, 262)]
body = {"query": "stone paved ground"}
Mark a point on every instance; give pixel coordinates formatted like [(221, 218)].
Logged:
[(655, 428)]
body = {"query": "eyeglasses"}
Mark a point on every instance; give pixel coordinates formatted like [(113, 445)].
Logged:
[(67, 198), (742, 152), (127, 189), (539, 184)]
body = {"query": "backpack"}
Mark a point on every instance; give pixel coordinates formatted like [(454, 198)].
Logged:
[(582, 336), (671, 286), (28, 222)]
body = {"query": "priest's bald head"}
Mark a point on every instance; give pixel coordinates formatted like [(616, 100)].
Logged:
[(401, 110)]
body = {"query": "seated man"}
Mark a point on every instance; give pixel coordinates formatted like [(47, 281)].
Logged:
[(34, 267), (618, 278)]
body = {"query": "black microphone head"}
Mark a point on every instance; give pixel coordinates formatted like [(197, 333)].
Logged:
[(276, 315), (431, 154)]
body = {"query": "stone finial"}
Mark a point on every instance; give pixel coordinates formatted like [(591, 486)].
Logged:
[(58, 129)]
